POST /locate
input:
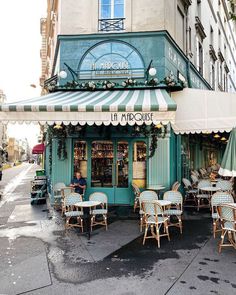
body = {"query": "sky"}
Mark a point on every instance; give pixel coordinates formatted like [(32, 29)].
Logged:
[(20, 64)]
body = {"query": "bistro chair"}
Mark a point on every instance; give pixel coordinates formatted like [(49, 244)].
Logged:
[(203, 198), (136, 192), (72, 211), (218, 199), (227, 213), (154, 219), (190, 192), (145, 196), (203, 173), (196, 173), (195, 180), (175, 186), (225, 185), (176, 208), (65, 191), (57, 196), (101, 209)]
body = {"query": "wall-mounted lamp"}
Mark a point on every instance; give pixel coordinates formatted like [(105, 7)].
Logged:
[(63, 74), (152, 72)]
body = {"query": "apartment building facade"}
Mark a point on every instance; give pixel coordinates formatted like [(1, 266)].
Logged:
[(88, 42)]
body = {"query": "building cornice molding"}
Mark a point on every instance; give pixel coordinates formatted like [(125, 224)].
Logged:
[(199, 28), (212, 52)]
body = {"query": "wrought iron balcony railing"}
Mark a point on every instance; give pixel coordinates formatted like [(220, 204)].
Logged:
[(111, 24)]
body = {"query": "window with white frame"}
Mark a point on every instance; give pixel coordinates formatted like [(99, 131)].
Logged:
[(200, 56), (212, 74), (110, 9), (180, 33), (111, 15)]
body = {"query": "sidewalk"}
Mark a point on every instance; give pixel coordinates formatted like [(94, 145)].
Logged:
[(39, 257)]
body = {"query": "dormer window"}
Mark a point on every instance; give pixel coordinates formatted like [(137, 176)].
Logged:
[(111, 15)]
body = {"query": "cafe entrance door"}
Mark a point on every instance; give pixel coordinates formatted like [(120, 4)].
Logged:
[(110, 167)]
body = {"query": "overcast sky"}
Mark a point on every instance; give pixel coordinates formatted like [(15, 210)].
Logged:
[(20, 55)]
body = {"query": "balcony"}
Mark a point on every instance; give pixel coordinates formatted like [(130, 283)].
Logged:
[(111, 25)]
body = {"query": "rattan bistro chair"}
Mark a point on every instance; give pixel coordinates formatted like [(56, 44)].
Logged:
[(145, 196), (136, 192), (154, 219), (218, 199), (227, 213), (176, 209), (203, 198), (225, 185), (57, 196), (175, 186), (72, 211), (101, 209), (65, 191), (190, 193)]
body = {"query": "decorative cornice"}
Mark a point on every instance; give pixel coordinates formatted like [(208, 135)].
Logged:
[(220, 55), (199, 28), (212, 52), (187, 3), (226, 68)]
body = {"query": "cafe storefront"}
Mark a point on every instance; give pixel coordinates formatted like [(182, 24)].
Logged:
[(107, 98)]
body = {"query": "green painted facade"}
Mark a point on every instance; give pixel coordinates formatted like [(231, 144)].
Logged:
[(167, 164)]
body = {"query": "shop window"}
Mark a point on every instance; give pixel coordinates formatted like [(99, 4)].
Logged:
[(80, 157), (139, 163), (102, 164)]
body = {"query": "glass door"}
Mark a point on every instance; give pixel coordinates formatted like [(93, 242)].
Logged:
[(122, 194), (102, 164)]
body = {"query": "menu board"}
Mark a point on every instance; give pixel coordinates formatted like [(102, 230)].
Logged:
[(139, 170)]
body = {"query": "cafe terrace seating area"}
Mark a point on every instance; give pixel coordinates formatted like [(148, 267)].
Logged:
[(155, 213)]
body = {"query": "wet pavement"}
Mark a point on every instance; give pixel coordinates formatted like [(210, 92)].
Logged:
[(38, 257)]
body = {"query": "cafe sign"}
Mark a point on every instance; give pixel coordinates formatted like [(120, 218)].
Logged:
[(111, 60)]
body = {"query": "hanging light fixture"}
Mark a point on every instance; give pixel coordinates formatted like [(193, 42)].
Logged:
[(223, 138), (57, 126), (216, 136), (159, 126)]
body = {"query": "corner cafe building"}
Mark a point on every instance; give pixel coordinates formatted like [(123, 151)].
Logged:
[(99, 130)]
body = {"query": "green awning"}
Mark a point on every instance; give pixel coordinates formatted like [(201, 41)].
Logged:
[(94, 107), (228, 165)]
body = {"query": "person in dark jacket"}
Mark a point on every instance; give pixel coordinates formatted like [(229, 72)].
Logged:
[(79, 183)]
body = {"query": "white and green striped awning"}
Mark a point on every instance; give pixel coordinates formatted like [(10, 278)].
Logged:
[(94, 107)]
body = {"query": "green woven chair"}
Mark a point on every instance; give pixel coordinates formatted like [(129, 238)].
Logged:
[(227, 213), (176, 209), (154, 220), (218, 199)]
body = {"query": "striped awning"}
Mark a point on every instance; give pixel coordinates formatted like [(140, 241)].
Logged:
[(94, 107)]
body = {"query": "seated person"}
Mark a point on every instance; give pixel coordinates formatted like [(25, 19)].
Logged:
[(79, 183)]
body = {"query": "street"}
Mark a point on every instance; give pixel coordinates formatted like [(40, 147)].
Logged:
[(37, 256)]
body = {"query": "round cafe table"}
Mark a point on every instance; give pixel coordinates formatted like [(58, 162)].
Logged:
[(210, 189), (156, 187), (87, 205), (164, 203)]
